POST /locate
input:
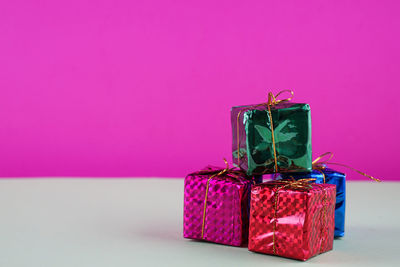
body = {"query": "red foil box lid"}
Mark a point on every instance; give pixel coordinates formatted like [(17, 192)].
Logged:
[(290, 222)]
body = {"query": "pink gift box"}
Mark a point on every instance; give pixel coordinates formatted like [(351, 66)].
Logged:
[(218, 212)]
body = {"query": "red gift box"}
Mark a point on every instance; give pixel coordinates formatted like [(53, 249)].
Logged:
[(293, 219)]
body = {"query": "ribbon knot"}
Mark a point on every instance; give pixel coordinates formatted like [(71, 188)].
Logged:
[(302, 184), (272, 99), (224, 170)]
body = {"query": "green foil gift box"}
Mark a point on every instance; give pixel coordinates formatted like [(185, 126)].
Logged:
[(272, 137)]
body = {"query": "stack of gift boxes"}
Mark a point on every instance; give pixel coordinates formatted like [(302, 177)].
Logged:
[(296, 214)]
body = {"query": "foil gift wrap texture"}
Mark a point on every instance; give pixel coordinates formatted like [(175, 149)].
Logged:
[(328, 176), (225, 212), (252, 146), (295, 223)]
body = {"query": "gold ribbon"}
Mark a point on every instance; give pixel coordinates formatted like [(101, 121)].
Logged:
[(323, 227), (319, 165), (214, 173), (272, 100), (301, 184)]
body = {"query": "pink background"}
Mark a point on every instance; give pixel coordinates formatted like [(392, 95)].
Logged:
[(144, 88)]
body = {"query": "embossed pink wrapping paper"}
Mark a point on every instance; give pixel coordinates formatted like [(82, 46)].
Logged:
[(226, 211)]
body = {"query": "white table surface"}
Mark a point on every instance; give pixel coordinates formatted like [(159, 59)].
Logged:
[(138, 222)]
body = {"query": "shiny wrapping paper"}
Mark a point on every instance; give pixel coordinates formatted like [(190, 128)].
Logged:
[(296, 223), (331, 177), (227, 208), (292, 135)]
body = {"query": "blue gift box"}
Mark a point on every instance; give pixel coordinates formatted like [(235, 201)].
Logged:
[(331, 177)]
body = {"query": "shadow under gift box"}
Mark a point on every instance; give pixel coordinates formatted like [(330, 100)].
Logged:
[(226, 213), (328, 176), (252, 143), (290, 222)]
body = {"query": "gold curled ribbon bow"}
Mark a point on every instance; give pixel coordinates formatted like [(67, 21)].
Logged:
[(301, 184), (272, 100), (319, 165), (234, 173)]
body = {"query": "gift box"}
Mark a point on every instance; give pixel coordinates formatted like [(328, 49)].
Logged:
[(260, 146), (293, 219), (216, 206), (328, 176)]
